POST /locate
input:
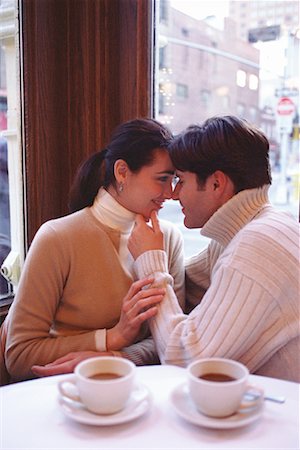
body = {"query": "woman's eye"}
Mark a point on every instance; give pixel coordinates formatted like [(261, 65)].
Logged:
[(164, 179)]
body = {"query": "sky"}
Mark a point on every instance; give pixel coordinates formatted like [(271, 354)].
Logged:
[(200, 9)]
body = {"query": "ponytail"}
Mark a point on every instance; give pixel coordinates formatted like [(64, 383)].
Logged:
[(87, 182)]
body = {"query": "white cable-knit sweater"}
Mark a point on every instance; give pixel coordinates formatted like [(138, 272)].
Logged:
[(248, 279)]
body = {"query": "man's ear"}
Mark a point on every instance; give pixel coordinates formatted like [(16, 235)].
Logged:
[(222, 184), (218, 180), (121, 170)]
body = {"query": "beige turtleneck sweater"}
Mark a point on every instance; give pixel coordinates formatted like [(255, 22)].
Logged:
[(75, 276), (244, 290)]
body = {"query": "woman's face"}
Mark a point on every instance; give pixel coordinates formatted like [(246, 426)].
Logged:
[(147, 189)]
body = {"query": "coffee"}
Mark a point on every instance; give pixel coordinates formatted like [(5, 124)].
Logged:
[(104, 376), (216, 377)]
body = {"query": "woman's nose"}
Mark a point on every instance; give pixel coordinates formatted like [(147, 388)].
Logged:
[(175, 192), (168, 192)]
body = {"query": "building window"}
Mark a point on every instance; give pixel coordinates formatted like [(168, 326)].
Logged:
[(253, 82), (241, 77), (205, 97), (241, 110), (182, 91), (253, 114)]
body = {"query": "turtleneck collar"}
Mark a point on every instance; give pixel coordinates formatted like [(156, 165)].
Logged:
[(235, 214), (109, 212)]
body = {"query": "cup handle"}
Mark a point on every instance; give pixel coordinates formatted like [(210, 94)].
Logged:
[(140, 393), (252, 398), (62, 387)]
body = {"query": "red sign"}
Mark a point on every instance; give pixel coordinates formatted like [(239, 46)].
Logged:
[(285, 106)]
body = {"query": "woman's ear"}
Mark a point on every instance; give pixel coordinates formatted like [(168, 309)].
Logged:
[(121, 170)]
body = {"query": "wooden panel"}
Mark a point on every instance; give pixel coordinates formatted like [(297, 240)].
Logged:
[(87, 67)]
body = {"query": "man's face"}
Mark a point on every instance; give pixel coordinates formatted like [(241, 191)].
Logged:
[(198, 203)]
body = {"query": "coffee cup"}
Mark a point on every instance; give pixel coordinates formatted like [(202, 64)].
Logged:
[(218, 387), (102, 384)]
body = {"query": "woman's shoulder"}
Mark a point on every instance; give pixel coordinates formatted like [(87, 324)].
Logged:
[(76, 224)]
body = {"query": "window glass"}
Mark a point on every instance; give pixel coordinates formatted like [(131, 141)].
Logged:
[(5, 240), (11, 183), (220, 58)]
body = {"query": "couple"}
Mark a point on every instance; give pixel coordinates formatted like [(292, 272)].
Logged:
[(95, 280)]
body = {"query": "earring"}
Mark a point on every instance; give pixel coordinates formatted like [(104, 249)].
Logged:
[(120, 187)]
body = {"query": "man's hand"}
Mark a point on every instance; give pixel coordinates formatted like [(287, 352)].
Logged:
[(145, 237)]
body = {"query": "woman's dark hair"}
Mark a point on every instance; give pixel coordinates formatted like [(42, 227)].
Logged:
[(134, 141), (227, 143)]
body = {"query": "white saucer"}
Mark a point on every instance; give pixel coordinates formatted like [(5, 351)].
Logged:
[(137, 405), (185, 408)]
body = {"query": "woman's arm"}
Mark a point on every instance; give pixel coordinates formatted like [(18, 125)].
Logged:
[(44, 277)]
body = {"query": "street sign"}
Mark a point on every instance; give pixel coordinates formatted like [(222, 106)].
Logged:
[(285, 107)]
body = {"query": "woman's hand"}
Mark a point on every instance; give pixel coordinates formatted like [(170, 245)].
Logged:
[(139, 305), (66, 364), (144, 237)]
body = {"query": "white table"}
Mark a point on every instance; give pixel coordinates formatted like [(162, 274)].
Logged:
[(32, 419)]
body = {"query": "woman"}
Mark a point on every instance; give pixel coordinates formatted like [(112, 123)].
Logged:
[(78, 269)]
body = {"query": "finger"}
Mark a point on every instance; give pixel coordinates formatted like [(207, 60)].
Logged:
[(142, 294), (155, 221), (142, 304), (143, 316), (43, 371), (62, 359), (138, 286)]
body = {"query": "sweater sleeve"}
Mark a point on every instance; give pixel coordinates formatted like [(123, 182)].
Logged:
[(143, 352), (222, 324), (29, 339)]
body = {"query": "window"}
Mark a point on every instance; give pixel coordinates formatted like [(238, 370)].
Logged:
[(227, 74), (11, 182)]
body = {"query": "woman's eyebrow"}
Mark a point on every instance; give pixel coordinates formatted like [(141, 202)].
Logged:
[(169, 172)]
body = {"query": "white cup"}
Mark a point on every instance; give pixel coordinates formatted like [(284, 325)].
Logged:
[(223, 397), (103, 384)]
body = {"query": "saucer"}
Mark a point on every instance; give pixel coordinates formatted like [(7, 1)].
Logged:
[(139, 402), (185, 408)]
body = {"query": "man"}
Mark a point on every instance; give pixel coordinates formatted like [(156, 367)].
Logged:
[(243, 289)]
